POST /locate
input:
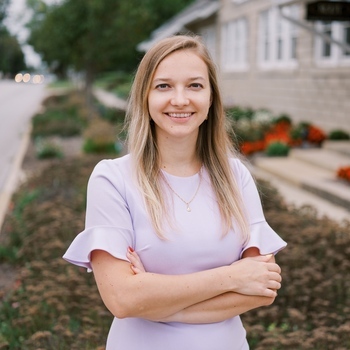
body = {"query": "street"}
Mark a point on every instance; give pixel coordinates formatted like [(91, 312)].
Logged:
[(18, 103)]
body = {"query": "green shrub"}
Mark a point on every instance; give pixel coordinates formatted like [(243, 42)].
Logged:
[(64, 115), (238, 113), (113, 115), (283, 118), (339, 135), (100, 137), (277, 149), (91, 146), (47, 149), (56, 122), (116, 82)]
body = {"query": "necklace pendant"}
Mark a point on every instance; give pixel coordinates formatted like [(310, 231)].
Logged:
[(188, 208)]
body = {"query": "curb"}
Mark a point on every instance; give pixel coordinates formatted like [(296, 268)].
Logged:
[(14, 175)]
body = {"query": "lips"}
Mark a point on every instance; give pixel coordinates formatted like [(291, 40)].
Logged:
[(179, 115)]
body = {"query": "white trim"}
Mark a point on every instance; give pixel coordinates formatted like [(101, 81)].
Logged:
[(336, 56), (277, 39)]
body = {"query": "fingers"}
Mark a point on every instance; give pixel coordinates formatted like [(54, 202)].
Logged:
[(136, 264), (260, 275)]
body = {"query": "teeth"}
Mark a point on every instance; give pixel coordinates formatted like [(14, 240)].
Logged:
[(179, 115)]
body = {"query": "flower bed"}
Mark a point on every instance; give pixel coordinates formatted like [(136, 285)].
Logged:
[(256, 130)]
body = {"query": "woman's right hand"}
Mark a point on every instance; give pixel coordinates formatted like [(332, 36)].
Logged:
[(256, 276)]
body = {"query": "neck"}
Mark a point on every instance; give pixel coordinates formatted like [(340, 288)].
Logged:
[(179, 158)]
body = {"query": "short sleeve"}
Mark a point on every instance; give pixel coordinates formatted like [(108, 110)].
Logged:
[(108, 225), (262, 236)]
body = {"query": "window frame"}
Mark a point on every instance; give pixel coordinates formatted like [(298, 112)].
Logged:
[(337, 56), (276, 33)]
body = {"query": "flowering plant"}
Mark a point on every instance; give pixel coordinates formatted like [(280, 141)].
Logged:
[(315, 135), (344, 173)]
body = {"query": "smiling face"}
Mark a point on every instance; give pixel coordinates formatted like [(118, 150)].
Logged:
[(179, 96)]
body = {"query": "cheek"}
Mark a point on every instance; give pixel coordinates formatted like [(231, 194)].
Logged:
[(154, 103)]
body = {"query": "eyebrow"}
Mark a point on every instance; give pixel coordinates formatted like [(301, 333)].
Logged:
[(168, 79)]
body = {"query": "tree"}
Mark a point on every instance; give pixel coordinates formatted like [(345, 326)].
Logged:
[(3, 11), (11, 55), (94, 36)]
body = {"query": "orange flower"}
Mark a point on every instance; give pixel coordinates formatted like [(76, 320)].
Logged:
[(344, 173)]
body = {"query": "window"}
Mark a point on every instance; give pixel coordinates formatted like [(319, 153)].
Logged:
[(331, 54), (346, 37), (277, 39), (326, 46), (234, 45)]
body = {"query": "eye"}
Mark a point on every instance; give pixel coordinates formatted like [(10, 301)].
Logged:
[(162, 86), (196, 86)]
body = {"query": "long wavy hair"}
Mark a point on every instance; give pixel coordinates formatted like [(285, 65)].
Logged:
[(214, 146)]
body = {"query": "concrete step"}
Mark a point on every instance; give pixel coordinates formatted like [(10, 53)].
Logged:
[(298, 197), (309, 177), (342, 147), (322, 157)]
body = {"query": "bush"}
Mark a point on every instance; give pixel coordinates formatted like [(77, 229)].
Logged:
[(283, 118), (113, 115), (339, 135), (47, 149), (64, 115), (116, 82), (100, 137), (238, 113), (277, 149), (55, 123)]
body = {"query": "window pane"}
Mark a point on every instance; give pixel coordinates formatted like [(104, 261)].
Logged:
[(293, 52), (265, 35), (347, 39), (327, 47)]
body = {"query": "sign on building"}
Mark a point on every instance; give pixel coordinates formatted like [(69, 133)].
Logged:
[(328, 11)]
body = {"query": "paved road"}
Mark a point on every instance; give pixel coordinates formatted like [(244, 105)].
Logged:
[(18, 103)]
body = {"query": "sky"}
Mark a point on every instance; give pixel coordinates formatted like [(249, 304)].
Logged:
[(18, 15)]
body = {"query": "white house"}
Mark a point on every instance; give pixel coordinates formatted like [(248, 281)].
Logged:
[(271, 56)]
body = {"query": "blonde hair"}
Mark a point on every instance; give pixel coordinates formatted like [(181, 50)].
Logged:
[(214, 146)]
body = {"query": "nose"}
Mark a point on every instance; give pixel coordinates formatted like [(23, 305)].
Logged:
[(179, 98)]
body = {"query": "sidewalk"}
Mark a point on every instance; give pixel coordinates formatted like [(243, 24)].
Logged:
[(110, 100)]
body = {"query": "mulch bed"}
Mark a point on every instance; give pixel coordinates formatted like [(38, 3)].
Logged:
[(55, 305)]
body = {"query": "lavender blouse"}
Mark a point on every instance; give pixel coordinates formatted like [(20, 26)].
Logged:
[(117, 218)]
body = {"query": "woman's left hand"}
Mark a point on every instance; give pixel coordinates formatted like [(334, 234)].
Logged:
[(136, 264)]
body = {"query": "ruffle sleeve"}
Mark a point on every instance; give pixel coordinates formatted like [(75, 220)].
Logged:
[(262, 236), (108, 224), (110, 239)]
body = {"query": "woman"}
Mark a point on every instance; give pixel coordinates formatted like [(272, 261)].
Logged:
[(175, 234)]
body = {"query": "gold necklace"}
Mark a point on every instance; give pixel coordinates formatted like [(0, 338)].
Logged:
[(176, 194)]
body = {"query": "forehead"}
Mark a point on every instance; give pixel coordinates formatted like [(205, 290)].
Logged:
[(182, 62)]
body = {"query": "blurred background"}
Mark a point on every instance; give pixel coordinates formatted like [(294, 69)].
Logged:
[(66, 68)]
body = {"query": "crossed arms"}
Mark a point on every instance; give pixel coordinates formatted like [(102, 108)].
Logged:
[(203, 297)]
